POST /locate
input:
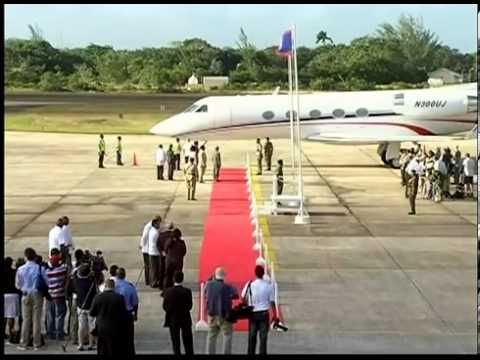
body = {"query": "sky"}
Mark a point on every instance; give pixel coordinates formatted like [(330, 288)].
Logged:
[(130, 26)]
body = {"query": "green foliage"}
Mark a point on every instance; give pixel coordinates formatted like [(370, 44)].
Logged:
[(50, 81), (399, 54)]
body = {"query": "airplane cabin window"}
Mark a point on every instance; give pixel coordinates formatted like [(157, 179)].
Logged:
[(399, 99), (362, 112), (268, 115), (315, 113), (339, 113), (203, 108)]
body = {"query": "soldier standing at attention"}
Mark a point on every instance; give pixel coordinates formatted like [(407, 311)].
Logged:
[(203, 162), (412, 191), (279, 175), (197, 149), (268, 150), (101, 152), (171, 160), (217, 164), (259, 157), (119, 151), (191, 175), (178, 152)]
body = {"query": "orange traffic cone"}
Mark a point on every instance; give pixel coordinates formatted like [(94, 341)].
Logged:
[(135, 163)]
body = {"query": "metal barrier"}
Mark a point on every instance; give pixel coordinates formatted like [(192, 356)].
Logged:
[(259, 243)]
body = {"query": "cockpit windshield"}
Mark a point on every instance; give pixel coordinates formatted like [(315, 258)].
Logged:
[(203, 108), (191, 108)]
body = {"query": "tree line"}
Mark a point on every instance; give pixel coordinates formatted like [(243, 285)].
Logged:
[(398, 55)]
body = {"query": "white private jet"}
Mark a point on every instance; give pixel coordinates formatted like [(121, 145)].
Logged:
[(387, 118)]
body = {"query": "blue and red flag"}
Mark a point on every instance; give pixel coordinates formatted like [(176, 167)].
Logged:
[(286, 44)]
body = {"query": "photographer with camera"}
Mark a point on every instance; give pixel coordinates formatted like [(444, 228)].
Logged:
[(97, 265), (85, 287), (260, 294)]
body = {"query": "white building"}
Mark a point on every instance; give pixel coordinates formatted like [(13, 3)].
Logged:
[(214, 81), (192, 82), (443, 76)]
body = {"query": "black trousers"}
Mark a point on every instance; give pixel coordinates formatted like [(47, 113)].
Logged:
[(161, 272), (171, 169), (412, 199), (279, 187), (119, 158), (186, 159), (269, 162), (154, 273), (177, 160), (171, 268), (187, 339), (146, 266), (258, 323), (110, 346), (159, 172), (130, 336), (101, 157)]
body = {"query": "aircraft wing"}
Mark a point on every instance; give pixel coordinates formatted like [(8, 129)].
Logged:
[(341, 138)]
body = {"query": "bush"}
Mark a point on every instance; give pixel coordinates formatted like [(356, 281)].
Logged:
[(50, 81)]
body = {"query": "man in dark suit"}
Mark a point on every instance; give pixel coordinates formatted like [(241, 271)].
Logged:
[(175, 250), (177, 303), (111, 319)]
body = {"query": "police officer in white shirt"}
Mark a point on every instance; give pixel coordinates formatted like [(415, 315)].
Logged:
[(55, 235), (144, 248), (260, 294)]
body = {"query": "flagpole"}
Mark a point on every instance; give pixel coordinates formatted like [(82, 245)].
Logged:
[(290, 96), (302, 217)]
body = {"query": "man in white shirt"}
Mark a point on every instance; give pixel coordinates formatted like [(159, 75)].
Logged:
[(186, 150), (413, 165), (468, 173), (55, 236), (66, 242), (144, 248), (154, 255), (160, 159), (260, 294)]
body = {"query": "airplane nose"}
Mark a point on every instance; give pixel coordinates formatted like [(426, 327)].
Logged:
[(165, 128)]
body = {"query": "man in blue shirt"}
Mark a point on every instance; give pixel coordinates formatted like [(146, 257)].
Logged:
[(26, 281), (219, 302), (129, 293)]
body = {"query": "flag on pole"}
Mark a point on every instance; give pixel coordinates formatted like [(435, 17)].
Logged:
[(286, 44)]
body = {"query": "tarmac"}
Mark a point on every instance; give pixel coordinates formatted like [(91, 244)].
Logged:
[(363, 277)]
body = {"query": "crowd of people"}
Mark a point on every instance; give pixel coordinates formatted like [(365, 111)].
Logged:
[(194, 155), (68, 298), (432, 173)]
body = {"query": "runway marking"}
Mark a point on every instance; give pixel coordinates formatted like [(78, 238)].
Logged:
[(263, 221)]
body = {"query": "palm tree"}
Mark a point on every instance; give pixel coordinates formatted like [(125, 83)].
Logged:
[(322, 38)]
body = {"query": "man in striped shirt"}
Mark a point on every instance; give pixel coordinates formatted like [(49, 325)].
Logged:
[(57, 306)]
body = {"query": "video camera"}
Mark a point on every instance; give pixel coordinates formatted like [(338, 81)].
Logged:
[(279, 326)]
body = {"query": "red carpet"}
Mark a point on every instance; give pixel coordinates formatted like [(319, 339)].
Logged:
[(227, 239)]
